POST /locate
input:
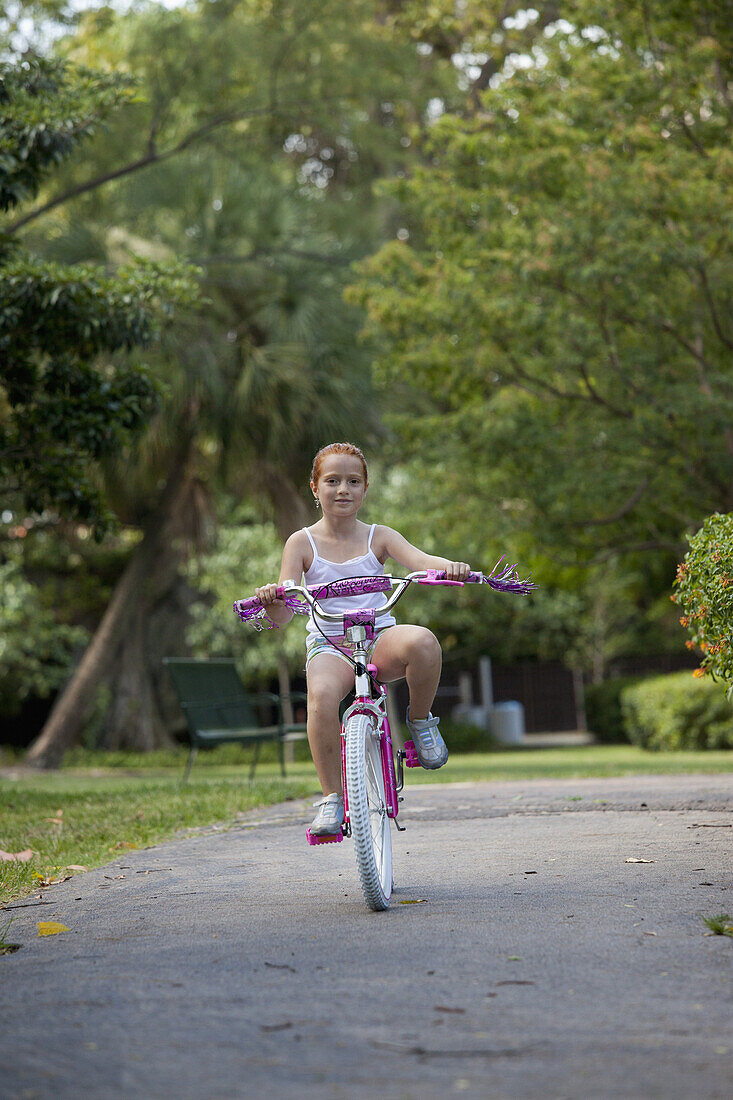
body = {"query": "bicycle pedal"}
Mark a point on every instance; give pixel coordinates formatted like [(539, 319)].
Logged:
[(334, 838), (411, 757)]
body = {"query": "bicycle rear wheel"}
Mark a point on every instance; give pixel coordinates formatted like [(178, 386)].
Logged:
[(368, 810)]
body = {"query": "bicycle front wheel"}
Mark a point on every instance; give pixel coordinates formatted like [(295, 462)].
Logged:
[(368, 810)]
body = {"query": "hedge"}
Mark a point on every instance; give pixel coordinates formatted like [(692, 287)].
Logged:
[(603, 709), (677, 711)]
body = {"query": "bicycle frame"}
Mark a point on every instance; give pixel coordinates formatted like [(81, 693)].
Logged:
[(366, 703)]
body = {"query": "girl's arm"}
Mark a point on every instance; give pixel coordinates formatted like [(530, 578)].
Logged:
[(292, 568), (394, 545)]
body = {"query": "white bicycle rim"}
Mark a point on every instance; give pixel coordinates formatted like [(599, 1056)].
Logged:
[(368, 810)]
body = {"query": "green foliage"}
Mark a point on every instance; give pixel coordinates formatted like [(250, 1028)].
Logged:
[(67, 396), (704, 590), (245, 557), (555, 323), (676, 712), (603, 709), (36, 653), (46, 110)]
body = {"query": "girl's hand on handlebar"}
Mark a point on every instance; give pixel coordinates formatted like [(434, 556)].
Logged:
[(267, 595), (457, 570)]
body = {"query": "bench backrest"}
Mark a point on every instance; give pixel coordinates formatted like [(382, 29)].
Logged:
[(211, 693)]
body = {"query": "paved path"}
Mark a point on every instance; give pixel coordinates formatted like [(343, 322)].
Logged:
[(540, 964)]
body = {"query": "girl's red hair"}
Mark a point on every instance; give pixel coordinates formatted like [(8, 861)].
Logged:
[(337, 449)]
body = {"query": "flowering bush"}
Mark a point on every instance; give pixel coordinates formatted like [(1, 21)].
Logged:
[(704, 590)]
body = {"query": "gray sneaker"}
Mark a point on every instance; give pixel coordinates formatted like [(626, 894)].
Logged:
[(330, 816), (431, 749)]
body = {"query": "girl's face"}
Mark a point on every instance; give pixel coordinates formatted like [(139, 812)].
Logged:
[(341, 486)]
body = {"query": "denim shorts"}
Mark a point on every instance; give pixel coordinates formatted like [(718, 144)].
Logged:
[(339, 646)]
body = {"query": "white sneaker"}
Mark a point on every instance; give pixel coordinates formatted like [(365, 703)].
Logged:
[(330, 816), (431, 749)]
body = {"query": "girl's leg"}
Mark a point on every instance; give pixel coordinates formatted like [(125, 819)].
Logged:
[(329, 680), (413, 652)]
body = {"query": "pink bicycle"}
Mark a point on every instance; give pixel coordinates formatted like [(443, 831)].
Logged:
[(372, 772)]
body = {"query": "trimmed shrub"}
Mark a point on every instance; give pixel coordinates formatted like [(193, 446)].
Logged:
[(603, 709), (677, 711)]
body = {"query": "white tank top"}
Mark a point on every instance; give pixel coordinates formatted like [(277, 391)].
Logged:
[(322, 570)]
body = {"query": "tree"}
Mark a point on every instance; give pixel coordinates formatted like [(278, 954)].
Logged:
[(558, 321), (270, 368), (68, 396)]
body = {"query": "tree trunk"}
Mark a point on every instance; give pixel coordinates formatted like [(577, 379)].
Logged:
[(291, 511), (119, 652)]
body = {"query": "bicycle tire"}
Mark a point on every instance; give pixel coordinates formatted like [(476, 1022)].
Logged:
[(370, 828)]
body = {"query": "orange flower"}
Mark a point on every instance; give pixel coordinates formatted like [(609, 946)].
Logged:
[(699, 673)]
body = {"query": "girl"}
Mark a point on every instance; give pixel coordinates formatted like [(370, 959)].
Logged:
[(339, 545)]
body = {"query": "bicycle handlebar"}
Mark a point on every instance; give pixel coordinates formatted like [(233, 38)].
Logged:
[(504, 579)]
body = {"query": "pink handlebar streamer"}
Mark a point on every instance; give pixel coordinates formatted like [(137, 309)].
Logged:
[(501, 578), (252, 610)]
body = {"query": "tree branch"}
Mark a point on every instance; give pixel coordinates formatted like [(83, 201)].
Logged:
[(619, 513), (692, 139), (532, 381), (151, 157), (711, 306), (319, 257)]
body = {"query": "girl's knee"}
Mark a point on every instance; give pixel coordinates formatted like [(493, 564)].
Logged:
[(322, 697), (424, 646)]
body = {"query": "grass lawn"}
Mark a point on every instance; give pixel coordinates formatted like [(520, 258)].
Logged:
[(101, 804)]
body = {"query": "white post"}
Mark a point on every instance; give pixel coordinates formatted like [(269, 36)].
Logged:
[(486, 684), (465, 689)]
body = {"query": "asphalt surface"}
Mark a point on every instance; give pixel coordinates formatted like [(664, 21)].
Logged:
[(522, 957)]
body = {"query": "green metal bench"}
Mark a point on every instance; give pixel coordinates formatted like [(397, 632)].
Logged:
[(218, 709)]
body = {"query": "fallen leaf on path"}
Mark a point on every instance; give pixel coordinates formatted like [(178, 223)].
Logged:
[(633, 859), (447, 1008), (75, 867), (16, 857), (514, 958), (281, 966), (650, 933), (51, 928), (518, 981), (53, 881), (413, 901), (276, 1027)]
